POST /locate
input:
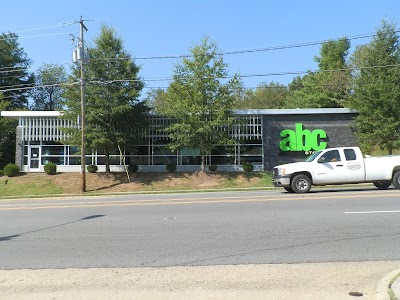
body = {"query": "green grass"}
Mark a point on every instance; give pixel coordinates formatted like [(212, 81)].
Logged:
[(14, 186), (35, 185)]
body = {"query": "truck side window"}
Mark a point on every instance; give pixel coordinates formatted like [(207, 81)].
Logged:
[(330, 156), (350, 154)]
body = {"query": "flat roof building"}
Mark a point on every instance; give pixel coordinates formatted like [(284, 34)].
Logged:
[(265, 137)]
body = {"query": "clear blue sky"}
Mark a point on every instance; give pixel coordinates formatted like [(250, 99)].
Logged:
[(160, 28)]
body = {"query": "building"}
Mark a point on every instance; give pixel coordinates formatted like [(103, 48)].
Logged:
[(264, 137)]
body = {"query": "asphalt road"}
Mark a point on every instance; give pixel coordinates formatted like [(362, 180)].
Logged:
[(200, 229)]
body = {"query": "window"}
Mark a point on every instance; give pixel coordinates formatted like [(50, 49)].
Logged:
[(350, 154), (330, 156)]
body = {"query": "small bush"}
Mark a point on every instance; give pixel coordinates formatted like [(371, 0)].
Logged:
[(92, 168), (11, 170), (248, 167), (133, 168), (1, 173), (170, 167), (50, 168), (212, 168)]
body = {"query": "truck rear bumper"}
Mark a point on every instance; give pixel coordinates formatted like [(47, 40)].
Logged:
[(281, 181)]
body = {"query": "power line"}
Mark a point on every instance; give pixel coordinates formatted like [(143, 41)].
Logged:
[(39, 86), (246, 75), (272, 48), (111, 81), (35, 36), (36, 27)]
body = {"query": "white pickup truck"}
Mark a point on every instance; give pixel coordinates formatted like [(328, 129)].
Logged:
[(338, 166)]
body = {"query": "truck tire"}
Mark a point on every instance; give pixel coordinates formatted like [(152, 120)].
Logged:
[(382, 185), (396, 180), (288, 189), (301, 184)]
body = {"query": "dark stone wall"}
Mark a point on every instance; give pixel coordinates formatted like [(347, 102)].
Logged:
[(19, 148), (336, 126)]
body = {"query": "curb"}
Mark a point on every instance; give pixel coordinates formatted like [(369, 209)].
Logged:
[(381, 291)]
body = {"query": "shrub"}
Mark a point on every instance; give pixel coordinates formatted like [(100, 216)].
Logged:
[(133, 168), (1, 173), (92, 168), (11, 170), (170, 167), (50, 168), (248, 167), (212, 168)]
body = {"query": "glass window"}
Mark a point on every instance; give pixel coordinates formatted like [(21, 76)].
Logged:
[(251, 159), (223, 150), (114, 160), (162, 150), (139, 160), (74, 150), (350, 154), (191, 160), (58, 160), (74, 161), (52, 150), (223, 160), (251, 149), (163, 160), (141, 150), (330, 156)]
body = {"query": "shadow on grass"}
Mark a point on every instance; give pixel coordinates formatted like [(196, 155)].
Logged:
[(161, 180)]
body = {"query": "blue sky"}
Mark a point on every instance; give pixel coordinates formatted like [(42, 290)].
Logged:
[(162, 28)]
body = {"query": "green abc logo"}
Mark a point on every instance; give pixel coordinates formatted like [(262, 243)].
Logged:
[(302, 139)]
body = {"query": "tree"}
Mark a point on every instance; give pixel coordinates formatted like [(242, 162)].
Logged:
[(155, 97), (199, 101), (7, 137), (330, 86), (14, 76), (377, 90), (114, 113), (14, 83), (266, 96), (48, 92)]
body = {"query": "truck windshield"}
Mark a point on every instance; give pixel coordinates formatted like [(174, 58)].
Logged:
[(313, 156)]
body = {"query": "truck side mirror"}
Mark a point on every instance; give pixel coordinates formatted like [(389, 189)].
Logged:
[(321, 159)]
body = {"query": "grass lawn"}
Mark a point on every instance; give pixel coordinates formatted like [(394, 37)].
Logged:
[(37, 184)]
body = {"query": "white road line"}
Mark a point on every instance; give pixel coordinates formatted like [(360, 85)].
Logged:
[(372, 212)]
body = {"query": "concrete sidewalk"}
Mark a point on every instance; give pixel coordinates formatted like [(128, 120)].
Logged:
[(328, 281), (389, 287)]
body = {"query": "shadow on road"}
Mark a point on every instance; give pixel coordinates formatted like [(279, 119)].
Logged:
[(10, 237)]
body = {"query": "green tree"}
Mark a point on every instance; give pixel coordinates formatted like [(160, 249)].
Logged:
[(114, 112), (330, 86), (14, 76), (266, 96), (377, 90), (200, 100), (155, 97), (48, 92), (15, 81), (7, 137)]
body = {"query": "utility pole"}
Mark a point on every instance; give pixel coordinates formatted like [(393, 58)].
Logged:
[(80, 56)]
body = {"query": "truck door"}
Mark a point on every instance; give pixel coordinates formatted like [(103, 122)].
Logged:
[(354, 165), (330, 168)]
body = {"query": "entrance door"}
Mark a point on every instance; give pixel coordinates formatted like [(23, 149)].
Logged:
[(34, 158)]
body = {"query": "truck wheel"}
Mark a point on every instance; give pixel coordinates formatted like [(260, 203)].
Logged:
[(301, 183), (288, 189), (396, 180), (382, 185)]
